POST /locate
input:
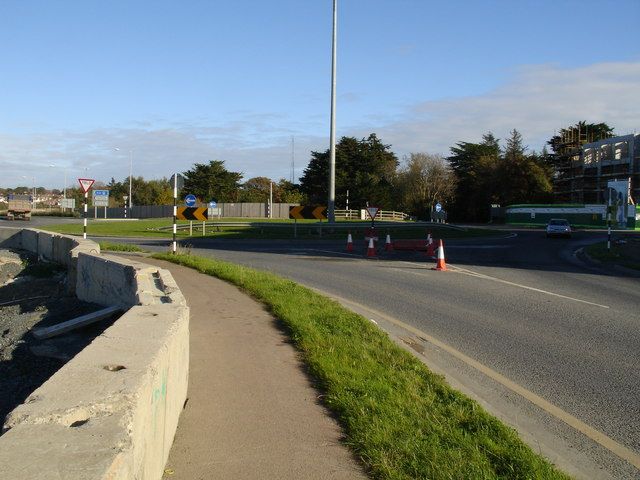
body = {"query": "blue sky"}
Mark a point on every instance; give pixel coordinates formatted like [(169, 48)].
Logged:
[(173, 83)]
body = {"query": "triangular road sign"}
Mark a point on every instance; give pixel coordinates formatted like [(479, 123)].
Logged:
[(373, 211), (85, 184)]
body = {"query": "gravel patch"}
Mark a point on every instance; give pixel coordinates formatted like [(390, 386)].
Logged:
[(32, 295)]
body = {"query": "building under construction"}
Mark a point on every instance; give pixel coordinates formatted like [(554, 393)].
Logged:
[(585, 162)]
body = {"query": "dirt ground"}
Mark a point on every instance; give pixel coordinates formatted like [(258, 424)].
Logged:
[(32, 295)]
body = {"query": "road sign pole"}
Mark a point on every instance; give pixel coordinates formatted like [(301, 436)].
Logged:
[(84, 229), (609, 223), (191, 228), (175, 208)]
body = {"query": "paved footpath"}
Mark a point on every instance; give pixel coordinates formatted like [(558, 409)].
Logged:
[(252, 412)]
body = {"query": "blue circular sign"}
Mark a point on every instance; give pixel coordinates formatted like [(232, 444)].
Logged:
[(190, 200), (213, 204), (438, 207)]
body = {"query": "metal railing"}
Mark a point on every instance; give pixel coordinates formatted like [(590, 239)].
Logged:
[(383, 215)]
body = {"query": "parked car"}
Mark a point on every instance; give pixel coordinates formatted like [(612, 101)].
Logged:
[(558, 227)]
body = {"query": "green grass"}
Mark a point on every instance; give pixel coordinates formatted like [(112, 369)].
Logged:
[(400, 419), (307, 229), (119, 247), (616, 256)]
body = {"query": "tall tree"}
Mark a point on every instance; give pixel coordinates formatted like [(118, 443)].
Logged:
[(365, 168), (423, 181), (476, 166), (212, 181)]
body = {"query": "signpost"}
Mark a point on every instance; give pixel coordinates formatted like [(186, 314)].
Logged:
[(192, 213), (85, 185), (178, 182), (190, 200), (101, 199), (373, 211), (319, 212), (125, 205)]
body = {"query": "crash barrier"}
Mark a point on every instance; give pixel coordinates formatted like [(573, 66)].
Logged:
[(112, 411)]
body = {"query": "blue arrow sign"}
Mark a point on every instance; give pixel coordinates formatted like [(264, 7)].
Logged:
[(213, 204), (438, 207), (190, 200)]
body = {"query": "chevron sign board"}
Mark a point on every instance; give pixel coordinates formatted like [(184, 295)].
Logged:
[(192, 213), (301, 212)]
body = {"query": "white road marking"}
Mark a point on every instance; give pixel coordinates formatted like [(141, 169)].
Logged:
[(483, 276)]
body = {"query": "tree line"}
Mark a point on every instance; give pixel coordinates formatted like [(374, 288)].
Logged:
[(466, 183)]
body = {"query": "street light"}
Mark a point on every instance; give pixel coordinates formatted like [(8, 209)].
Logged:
[(332, 135)]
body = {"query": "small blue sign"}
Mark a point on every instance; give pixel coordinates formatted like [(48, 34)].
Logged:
[(213, 204), (190, 200), (438, 207), (101, 193)]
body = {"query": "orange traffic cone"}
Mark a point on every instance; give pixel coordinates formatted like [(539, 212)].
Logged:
[(371, 251), (440, 264), (388, 246), (349, 243), (430, 248)]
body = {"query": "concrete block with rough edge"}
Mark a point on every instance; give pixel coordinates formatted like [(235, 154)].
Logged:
[(108, 421), (30, 240), (45, 246)]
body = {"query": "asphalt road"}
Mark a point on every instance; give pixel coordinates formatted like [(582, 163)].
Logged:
[(524, 307)]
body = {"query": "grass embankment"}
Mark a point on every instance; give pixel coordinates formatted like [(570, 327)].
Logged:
[(402, 420), (119, 247), (626, 255), (281, 229)]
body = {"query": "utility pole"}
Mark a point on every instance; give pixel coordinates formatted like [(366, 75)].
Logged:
[(332, 155)]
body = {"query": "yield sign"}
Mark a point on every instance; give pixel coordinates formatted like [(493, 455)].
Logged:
[(373, 211), (85, 184)]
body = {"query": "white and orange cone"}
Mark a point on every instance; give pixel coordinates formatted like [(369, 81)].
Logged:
[(371, 251), (349, 243), (388, 246), (440, 263)]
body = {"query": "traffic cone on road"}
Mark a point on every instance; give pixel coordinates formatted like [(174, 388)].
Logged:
[(371, 251), (388, 246), (440, 263), (349, 243)]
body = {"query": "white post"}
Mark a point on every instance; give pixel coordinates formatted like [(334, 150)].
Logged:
[(175, 208), (190, 228), (130, 173), (204, 226), (84, 230), (271, 200)]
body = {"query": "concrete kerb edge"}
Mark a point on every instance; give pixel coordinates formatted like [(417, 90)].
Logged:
[(94, 419)]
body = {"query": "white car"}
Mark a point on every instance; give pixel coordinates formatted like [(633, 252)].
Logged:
[(558, 227)]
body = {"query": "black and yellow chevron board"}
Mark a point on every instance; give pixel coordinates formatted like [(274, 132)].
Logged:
[(319, 212), (192, 213)]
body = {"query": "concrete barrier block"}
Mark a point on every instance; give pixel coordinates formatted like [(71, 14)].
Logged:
[(106, 282), (114, 407), (30, 240), (45, 245)]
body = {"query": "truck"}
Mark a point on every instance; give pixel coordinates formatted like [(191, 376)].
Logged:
[(19, 206)]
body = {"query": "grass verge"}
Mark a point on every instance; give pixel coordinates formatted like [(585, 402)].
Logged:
[(624, 255), (402, 420), (119, 247), (281, 229)]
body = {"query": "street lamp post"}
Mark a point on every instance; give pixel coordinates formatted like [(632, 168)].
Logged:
[(332, 135)]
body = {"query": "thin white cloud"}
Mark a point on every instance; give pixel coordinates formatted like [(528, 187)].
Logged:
[(537, 100)]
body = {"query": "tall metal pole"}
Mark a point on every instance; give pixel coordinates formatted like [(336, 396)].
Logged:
[(332, 150)]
